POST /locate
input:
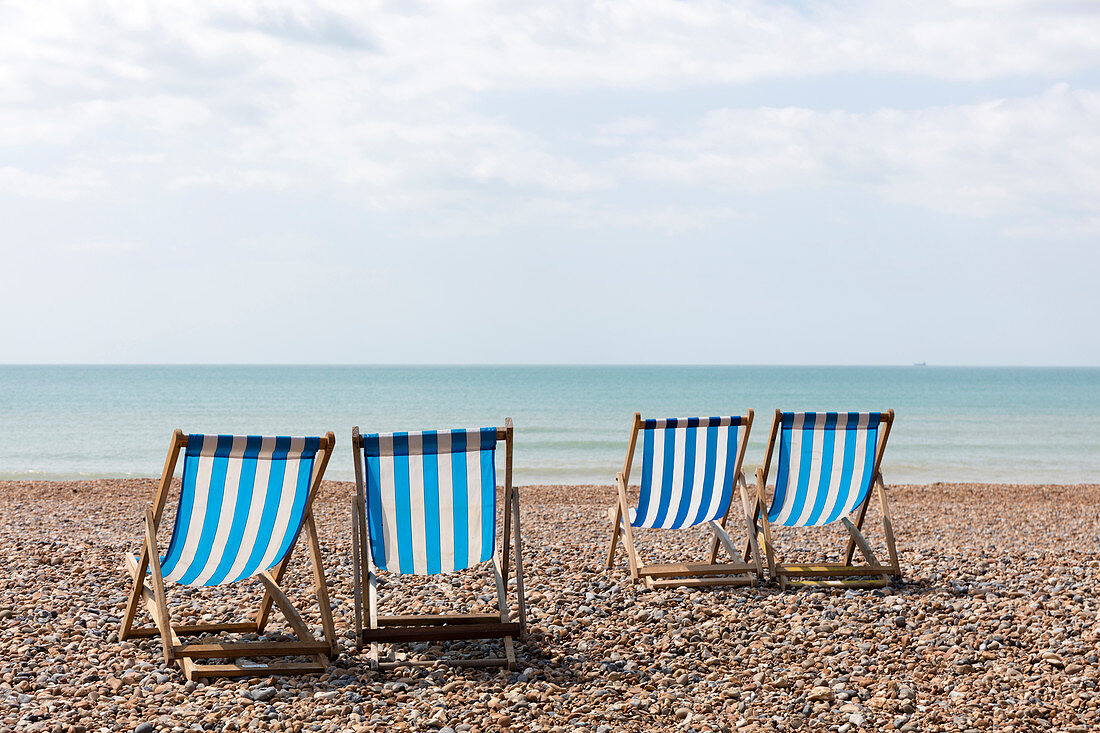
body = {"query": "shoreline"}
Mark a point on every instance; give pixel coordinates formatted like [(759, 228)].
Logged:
[(996, 622)]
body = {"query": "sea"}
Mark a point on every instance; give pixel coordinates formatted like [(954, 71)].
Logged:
[(952, 424)]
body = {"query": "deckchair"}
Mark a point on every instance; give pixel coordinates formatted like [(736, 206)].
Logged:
[(243, 502), (829, 466), (689, 469), (425, 504)]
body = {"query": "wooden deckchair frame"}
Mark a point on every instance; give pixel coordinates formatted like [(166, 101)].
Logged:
[(375, 630), (185, 655), (745, 572), (842, 575)]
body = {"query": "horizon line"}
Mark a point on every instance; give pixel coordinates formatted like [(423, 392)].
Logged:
[(910, 365)]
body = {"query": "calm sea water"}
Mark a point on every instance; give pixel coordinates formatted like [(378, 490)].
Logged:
[(953, 424)]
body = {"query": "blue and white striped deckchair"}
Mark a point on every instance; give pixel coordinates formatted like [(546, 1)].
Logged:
[(243, 502), (426, 505), (828, 465), (690, 467)]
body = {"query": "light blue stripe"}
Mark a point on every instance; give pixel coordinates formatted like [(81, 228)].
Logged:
[(708, 471), (461, 510), (403, 502), (488, 496), (432, 548), (645, 492), (183, 510), (271, 508), (240, 511), (825, 476), (782, 474), (214, 498), (373, 480), (689, 475)]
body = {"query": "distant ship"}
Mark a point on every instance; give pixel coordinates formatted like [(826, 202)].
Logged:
[(920, 363)]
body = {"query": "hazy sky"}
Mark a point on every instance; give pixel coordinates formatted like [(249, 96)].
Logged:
[(575, 181)]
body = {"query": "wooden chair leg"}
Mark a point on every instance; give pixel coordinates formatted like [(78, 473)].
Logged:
[(521, 593), (616, 519), (163, 622), (357, 589)]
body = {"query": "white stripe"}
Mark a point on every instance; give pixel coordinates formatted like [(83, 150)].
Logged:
[(859, 465), (720, 452), (446, 505), (679, 441), (255, 509), (813, 486), (656, 474), (416, 504), (203, 470), (282, 526), (700, 471), (229, 503), (388, 492), (792, 470), (473, 495), (840, 438)]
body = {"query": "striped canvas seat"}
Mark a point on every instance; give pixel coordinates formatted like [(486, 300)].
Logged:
[(242, 503), (688, 467), (826, 466), (430, 499)]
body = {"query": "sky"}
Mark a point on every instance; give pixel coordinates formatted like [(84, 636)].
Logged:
[(569, 182)]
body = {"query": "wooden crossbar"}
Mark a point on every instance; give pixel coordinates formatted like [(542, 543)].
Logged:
[(256, 670), (240, 627), (828, 570), (444, 632), (674, 570), (229, 650), (701, 582), (427, 620)]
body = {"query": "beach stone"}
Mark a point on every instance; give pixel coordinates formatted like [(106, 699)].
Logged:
[(145, 727)]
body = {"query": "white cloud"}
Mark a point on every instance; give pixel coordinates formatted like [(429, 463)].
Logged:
[(1029, 159), (382, 103)]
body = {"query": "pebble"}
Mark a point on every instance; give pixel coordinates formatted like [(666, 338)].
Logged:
[(995, 627)]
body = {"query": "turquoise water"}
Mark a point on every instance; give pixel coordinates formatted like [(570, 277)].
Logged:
[(953, 424)]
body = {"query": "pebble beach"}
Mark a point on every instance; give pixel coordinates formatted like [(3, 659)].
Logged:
[(995, 626)]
